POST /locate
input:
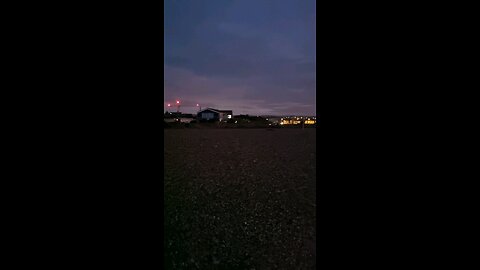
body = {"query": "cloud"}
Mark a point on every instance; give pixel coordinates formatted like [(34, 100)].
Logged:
[(249, 56), (241, 96)]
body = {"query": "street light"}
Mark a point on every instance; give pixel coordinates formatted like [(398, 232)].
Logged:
[(178, 106), (200, 107)]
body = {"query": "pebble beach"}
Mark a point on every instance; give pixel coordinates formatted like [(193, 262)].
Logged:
[(239, 198)]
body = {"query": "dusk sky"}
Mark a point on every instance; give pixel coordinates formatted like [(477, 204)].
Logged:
[(254, 57)]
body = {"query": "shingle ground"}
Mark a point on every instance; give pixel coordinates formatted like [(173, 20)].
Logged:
[(239, 198)]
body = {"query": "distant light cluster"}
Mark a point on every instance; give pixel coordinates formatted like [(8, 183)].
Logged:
[(296, 120)]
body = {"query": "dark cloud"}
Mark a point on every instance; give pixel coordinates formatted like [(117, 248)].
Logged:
[(250, 56)]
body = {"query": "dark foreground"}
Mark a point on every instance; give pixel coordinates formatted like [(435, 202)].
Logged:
[(239, 199)]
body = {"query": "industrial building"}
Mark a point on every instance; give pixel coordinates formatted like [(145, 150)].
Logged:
[(210, 114)]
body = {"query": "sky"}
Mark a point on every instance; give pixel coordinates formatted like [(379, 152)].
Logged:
[(254, 57)]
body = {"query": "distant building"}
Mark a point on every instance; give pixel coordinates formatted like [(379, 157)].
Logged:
[(186, 118), (296, 120), (170, 117), (274, 120), (214, 114)]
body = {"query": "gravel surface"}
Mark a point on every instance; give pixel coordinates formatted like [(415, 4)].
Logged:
[(239, 199)]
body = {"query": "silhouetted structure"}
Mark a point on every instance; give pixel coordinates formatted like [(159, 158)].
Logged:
[(210, 114)]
